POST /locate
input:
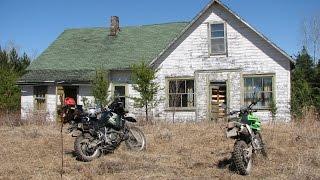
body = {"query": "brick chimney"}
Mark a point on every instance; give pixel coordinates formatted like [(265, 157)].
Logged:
[(114, 27)]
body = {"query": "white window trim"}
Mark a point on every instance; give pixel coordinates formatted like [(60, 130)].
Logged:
[(225, 38)]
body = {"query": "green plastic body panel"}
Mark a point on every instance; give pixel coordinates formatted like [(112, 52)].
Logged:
[(254, 121)]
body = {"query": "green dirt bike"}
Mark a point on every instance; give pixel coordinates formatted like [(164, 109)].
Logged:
[(245, 129)]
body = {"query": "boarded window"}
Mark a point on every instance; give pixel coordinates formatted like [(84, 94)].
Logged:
[(120, 91), (217, 38), (262, 86), (40, 97), (181, 93)]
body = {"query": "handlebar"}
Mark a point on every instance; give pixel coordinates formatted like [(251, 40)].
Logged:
[(247, 109)]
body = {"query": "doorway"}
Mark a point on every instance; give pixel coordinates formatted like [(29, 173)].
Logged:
[(66, 91), (218, 97)]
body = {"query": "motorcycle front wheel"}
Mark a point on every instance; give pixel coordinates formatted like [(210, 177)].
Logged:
[(136, 140), (263, 149), (242, 156), (84, 149)]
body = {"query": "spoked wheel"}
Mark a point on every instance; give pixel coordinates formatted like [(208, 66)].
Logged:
[(85, 149), (242, 155), (136, 140)]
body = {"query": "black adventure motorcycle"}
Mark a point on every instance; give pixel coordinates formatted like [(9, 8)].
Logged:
[(102, 131)]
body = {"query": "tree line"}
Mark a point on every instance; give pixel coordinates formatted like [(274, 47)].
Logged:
[(305, 84), (12, 66)]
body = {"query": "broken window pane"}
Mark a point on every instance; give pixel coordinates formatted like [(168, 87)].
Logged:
[(40, 97), (262, 86), (181, 93), (172, 86), (181, 86), (120, 91)]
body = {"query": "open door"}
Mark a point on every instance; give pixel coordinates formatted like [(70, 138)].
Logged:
[(218, 96), (66, 91)]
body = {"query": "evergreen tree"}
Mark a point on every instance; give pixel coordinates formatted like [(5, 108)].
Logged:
[(143, 77), (305, 66), (12, 66), (100, 87), (316, 85), (9, 91), (303, 81)]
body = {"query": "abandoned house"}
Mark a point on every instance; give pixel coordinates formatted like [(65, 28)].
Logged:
[(216, 58)]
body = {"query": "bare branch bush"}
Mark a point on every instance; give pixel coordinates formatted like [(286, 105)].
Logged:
[(311, 35)]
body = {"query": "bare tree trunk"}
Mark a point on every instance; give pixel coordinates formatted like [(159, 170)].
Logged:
[(147, 119), (314, 53), (173, 114), (61, 136), (8, 118)]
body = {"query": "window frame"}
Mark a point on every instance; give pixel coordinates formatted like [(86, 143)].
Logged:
[(36, 98), (273, 92), (113, 87), (210, 38), (168, 79)]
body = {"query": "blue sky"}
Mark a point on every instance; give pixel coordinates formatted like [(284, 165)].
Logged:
[(34, 24)]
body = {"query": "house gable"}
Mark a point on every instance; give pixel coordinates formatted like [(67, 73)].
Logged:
[(248, 54), (225, 15)]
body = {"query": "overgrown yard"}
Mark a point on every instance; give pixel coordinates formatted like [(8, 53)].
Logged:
[(174, 151)]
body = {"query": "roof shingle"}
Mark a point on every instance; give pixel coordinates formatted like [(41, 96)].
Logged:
[(90, 48)]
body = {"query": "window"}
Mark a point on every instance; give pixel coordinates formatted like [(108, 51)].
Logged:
[(40, 97), (181, 93), (217, 38), (120, 91), (263, 86)]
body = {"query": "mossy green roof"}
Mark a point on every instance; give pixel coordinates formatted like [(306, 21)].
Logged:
[(90, 48)]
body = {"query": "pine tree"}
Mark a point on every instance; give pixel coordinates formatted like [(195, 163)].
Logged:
[(316, 83), (9, 91), (100, 87), (12, 66), (143, 77), (303, 77), (305, 66)]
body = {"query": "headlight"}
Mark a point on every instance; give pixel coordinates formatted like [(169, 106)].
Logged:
[(80, 125)]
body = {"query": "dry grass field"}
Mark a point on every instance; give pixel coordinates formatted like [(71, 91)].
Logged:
[(174, 151)]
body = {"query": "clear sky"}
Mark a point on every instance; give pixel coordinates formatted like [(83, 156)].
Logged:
[(34, 24)]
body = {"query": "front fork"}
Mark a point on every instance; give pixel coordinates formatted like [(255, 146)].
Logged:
[(249, 152)]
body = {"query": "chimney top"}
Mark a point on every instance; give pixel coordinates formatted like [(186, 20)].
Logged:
[(114, 27)]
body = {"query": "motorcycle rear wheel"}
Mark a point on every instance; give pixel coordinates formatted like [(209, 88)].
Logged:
[(136, 140), (83, 150), (242, 157)]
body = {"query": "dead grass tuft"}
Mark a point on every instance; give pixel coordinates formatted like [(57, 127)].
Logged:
[(174, 151)]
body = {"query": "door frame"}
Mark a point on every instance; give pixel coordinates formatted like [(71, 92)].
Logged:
[(227, 97)]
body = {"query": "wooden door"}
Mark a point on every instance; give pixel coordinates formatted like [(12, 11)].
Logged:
[(218, 96)]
